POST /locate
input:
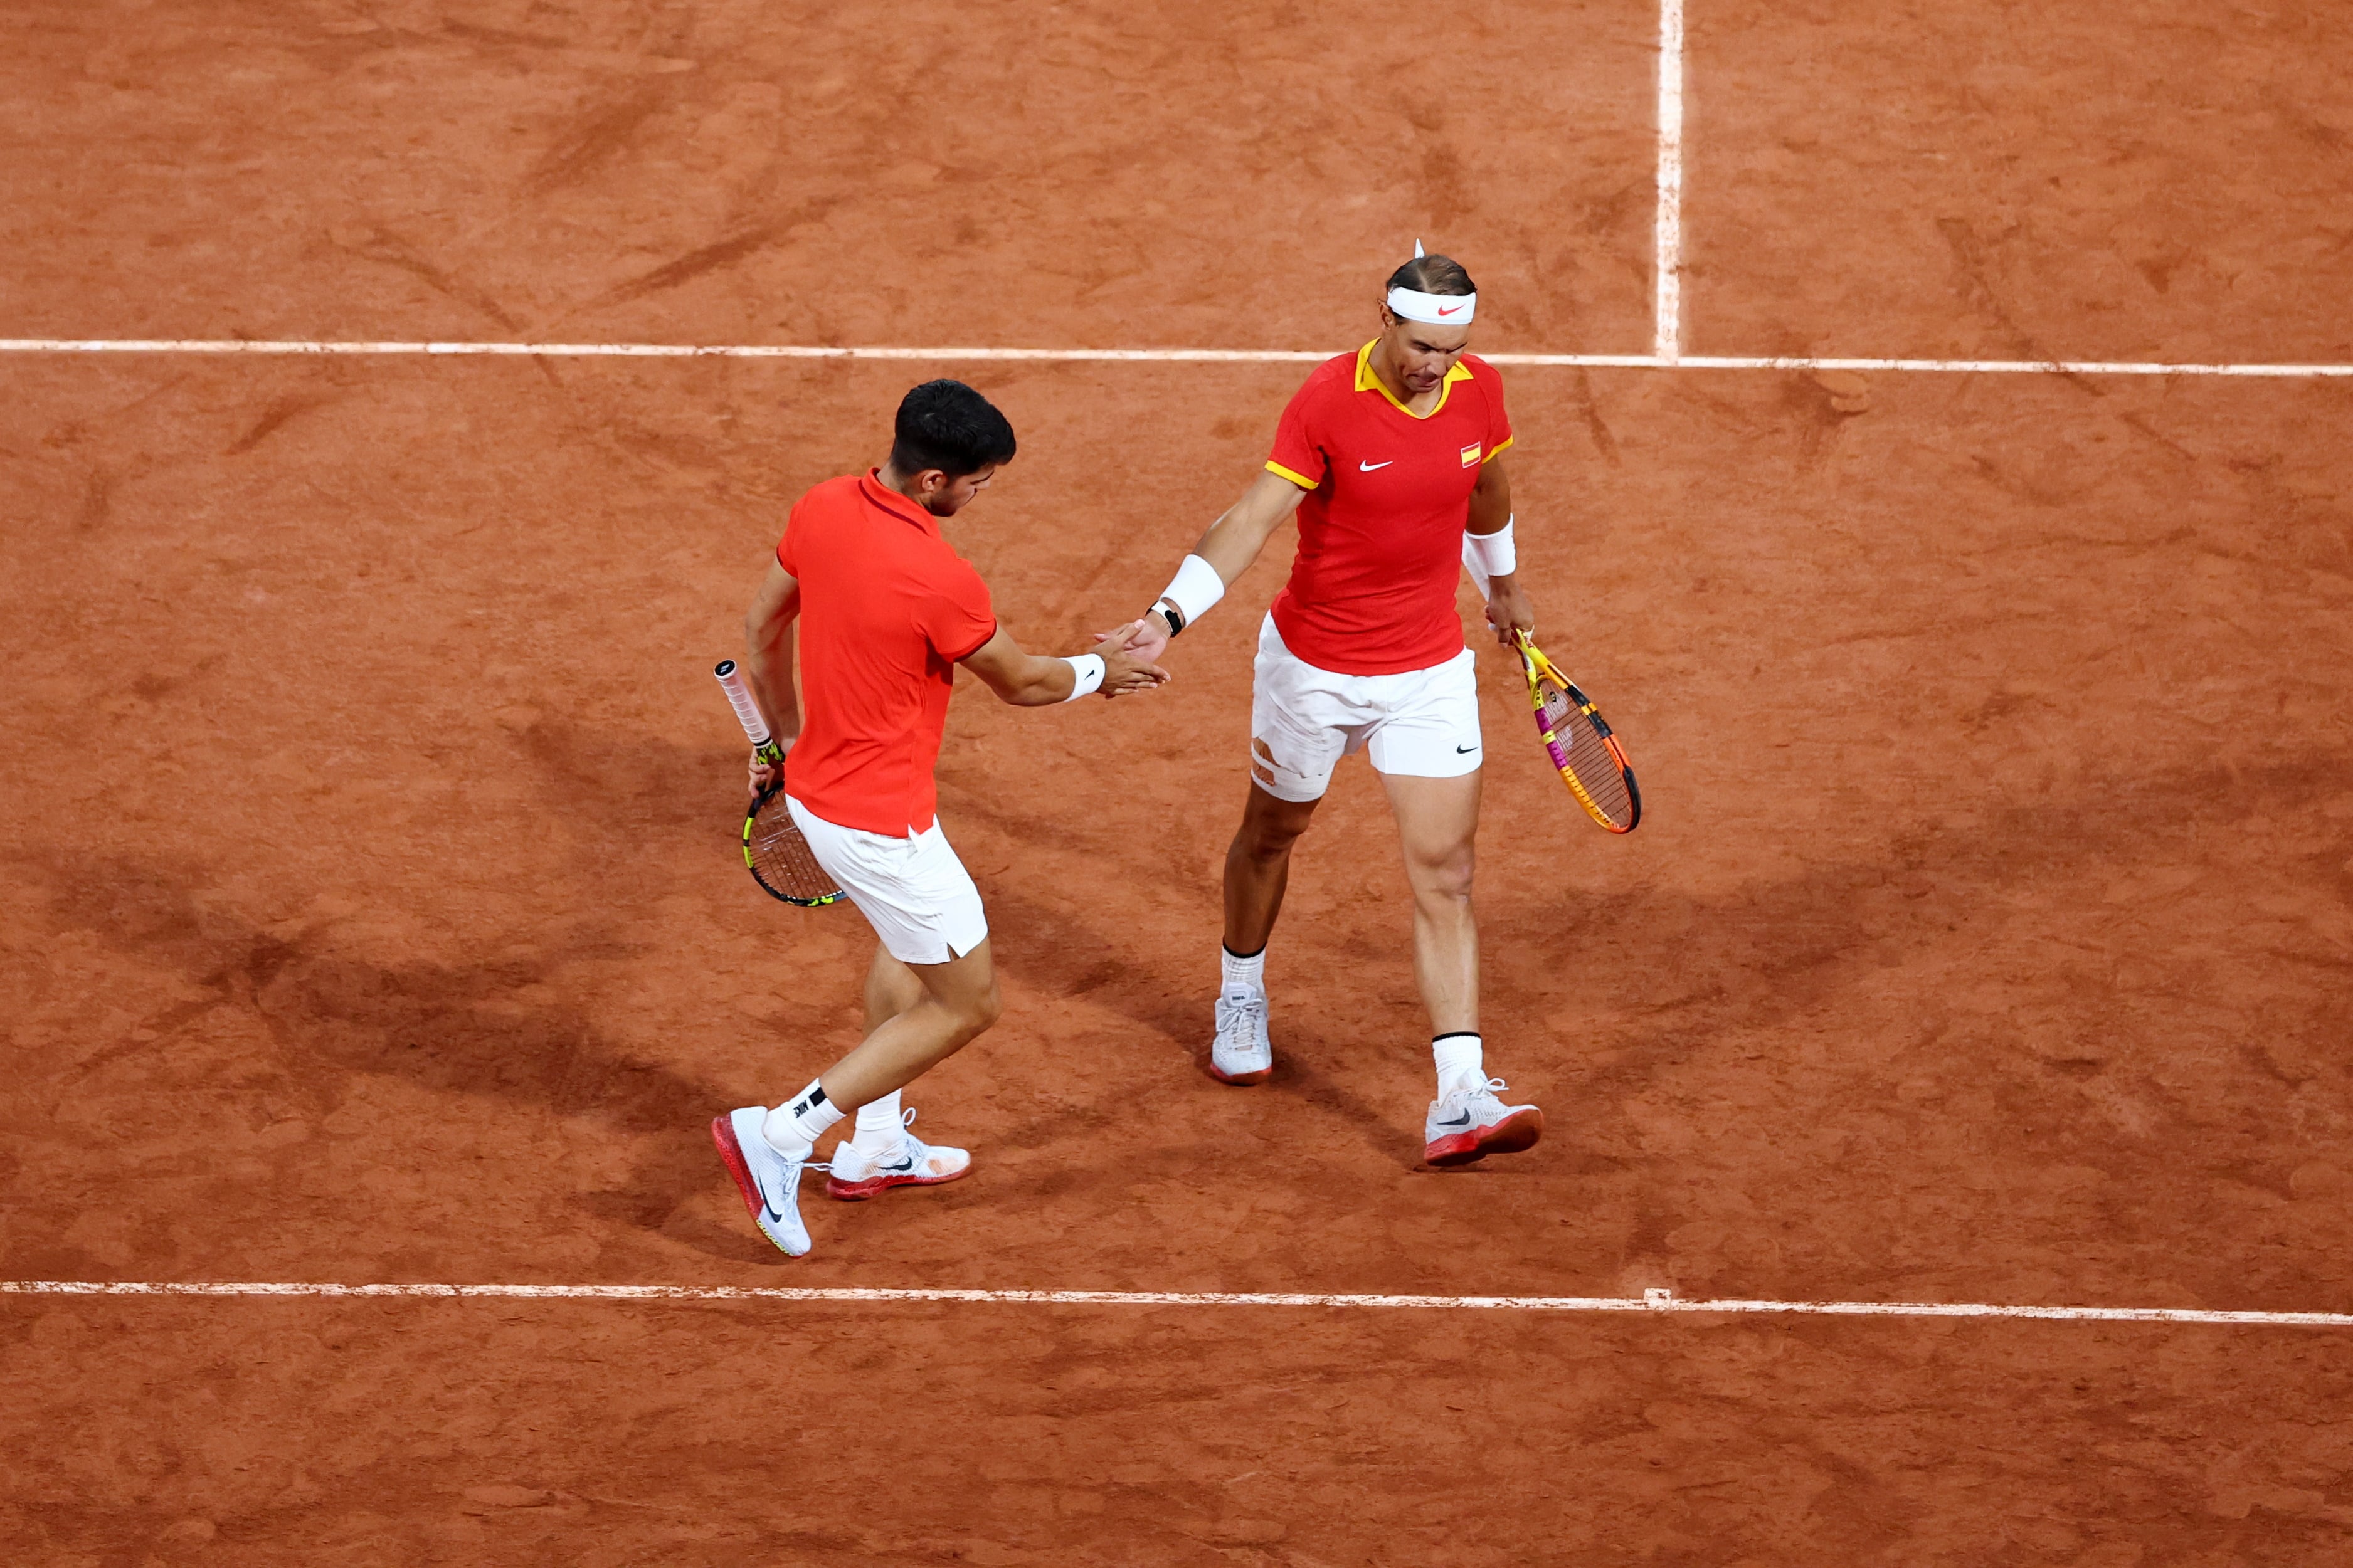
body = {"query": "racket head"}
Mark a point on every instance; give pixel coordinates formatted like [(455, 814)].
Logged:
[(778, 856), (1591, 759)]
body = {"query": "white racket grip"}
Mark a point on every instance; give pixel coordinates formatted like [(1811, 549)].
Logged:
[(746, 706)]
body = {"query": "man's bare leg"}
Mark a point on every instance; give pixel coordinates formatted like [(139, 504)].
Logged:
[(892, 987), (1438, 828), (1257, 867), (918, 1015), (928, 1012), (1438, 821)]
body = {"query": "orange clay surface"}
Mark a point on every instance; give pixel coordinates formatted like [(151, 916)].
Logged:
[(369, 910)]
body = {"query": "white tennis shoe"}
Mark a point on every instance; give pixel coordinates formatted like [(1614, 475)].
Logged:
[(1242, 1053), (1468, 1123), (771, 1184), (857, 1174)]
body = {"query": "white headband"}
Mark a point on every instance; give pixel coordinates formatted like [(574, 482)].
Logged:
[(1442, 310)]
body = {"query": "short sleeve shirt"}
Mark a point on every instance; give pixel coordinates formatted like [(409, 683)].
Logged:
[(888, 608), (1381, 532)]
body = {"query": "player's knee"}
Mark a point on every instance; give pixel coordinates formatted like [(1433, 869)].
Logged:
[(1446, 876), (980, 1011), (1263, 842)]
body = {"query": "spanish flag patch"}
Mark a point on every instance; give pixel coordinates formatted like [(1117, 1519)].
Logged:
[(1471, 454)]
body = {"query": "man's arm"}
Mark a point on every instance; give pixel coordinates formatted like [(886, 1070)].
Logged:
[(1232, 542), (1038, 681), (768, 661), (1508, 610)]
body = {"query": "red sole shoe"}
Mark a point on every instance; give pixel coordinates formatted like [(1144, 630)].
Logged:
[(1515, 1132), (875, 1186), (731, 1153)]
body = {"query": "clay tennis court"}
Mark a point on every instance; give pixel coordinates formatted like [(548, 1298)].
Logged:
[(370, 909)]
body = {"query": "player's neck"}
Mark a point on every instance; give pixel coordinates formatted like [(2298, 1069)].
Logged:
[(890, 478), (1387, 373)]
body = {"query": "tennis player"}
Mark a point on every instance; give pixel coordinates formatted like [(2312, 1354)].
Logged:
[(1392, 459), (887, 609)]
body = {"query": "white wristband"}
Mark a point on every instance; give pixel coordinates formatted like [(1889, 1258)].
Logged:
[(1196, 588), (1492, 554), (1087, 673)]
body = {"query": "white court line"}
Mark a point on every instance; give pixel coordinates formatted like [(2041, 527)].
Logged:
[(1667, 232), (1148, 356), (1650, 1301)]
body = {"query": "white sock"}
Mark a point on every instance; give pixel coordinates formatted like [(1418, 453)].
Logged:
[(792, 1128), (1244, 974), (879, 1124), (1460, 1057)]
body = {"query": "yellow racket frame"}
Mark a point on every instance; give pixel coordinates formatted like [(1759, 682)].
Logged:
[(1538, 667)]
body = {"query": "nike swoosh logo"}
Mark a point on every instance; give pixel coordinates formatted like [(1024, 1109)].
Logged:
[(906, 1164), (1462, 1121), (1445, 312), (1365, 468), (1465, 750)]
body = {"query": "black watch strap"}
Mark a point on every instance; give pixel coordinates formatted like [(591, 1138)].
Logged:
[(1172, 615)]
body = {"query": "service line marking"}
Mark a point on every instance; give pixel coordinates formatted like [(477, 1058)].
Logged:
[(1667, 231), (1143, 356), (1650, 1301)]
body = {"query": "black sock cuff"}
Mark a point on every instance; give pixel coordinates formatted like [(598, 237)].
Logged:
[(1457, 1035), (1229, 952)]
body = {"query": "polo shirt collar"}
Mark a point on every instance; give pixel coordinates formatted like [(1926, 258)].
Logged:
[(1368, 381), (891, 501)]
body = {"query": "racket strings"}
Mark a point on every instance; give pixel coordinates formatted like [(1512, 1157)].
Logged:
[(1592, 761), (781, 858)]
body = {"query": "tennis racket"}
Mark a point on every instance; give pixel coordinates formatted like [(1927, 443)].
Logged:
[(774, 851), (1587, 755)]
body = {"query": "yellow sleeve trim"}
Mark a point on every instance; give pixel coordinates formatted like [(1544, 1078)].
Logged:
[(1302, 480), (1497, 452)]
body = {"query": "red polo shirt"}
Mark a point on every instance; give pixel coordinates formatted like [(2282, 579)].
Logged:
[(1380, 531), (887, 609)]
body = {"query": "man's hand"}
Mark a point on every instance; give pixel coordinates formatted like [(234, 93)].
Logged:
[(1126, 666), (1509, 612), (1147, 638), (762, 774)]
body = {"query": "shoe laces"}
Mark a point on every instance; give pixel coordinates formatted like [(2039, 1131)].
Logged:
[(1472, 1089), (914, 1147), (1241, 1007)]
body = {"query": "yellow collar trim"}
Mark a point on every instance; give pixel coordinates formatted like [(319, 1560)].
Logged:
[(1368, 381)]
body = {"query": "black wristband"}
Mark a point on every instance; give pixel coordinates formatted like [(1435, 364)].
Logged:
[(1171, 613)]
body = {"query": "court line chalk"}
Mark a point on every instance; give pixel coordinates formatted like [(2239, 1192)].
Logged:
[(1667, 231), (1148, 356), (1650, 1301)]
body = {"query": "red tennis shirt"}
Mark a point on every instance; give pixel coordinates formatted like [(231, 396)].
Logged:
[(887, 609), (1388, 494)]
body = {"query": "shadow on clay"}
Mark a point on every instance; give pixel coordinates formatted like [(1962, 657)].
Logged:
[(463, 1028), (1684, 973), (1056, 947)]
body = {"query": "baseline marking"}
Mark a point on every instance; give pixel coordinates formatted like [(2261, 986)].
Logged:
[(1667, 232), (1648, 1301), (1148, 356)]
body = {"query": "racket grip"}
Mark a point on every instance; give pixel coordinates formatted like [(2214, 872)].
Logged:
[(746, 706)]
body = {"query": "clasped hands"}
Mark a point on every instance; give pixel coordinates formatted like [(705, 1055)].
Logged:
[(1130, 656)]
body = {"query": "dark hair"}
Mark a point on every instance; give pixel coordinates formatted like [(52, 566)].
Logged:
[(1431, 275), (947, 425)]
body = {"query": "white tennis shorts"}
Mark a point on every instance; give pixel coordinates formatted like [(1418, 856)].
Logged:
[(914, 891), (1422, 722)]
